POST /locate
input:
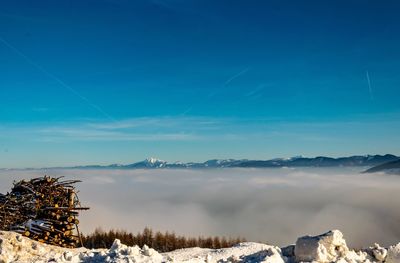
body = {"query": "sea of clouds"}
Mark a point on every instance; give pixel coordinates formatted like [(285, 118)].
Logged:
[(268, 205)]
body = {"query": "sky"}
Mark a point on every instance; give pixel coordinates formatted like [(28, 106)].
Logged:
[(100, 82)]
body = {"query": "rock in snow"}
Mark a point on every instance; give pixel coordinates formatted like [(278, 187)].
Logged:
[(328, 247)]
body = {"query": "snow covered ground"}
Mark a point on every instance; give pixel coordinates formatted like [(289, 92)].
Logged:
[(328, 247)]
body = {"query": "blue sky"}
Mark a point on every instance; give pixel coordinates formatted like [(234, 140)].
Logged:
[(117, 81)]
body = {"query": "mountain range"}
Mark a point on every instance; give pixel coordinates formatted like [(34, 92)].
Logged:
[(392, 167), (320, 161)]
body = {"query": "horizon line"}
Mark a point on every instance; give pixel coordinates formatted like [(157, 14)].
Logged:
[(122, 165)]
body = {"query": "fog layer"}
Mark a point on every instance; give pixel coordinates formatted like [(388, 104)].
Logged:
[(269, 205)]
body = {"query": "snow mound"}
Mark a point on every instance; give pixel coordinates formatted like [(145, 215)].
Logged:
[(331, 247), (243, 252), (16, 248), (393, 254), (328, 247)]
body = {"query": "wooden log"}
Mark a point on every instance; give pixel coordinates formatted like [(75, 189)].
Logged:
[(51, 204)]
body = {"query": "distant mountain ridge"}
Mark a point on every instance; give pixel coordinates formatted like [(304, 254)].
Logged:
[(392, 167), (320, 161)]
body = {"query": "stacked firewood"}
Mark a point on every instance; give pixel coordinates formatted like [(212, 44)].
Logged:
[(44, 209)]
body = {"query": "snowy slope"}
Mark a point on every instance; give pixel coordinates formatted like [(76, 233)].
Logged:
[(329, 247)]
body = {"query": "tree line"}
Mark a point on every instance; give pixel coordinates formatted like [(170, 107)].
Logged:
[(162, 242)]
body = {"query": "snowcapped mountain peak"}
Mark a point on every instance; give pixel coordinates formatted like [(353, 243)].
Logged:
[(295, 157), (153, 160), (218, 162), (149, 163)]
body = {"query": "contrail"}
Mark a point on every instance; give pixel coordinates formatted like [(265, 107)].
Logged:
[(255, 91), (187, 110), (55, 78), (213, 93), (371, 95), (227, 82), (236, 76)]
